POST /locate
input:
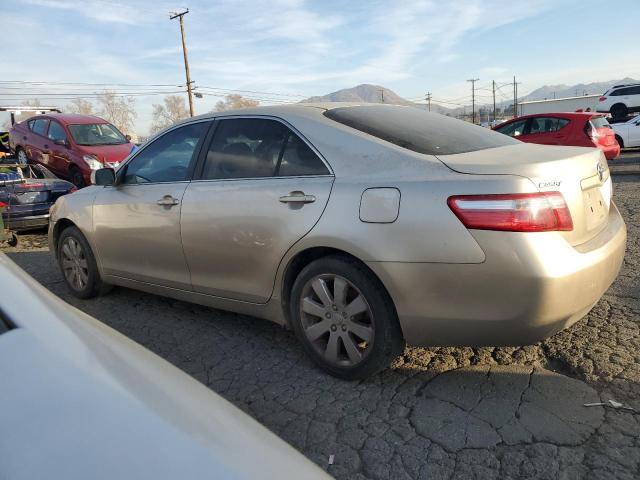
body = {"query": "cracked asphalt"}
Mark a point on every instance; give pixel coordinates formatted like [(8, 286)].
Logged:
[(439, 412)]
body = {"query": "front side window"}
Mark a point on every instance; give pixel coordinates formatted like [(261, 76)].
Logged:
[(96, 134), (40, 126), (56, 132), (513, 129), (168, 158)]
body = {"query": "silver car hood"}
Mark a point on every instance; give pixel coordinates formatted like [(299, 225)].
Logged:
[(79, 400)]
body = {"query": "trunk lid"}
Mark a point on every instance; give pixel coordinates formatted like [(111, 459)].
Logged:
[(580, 174)]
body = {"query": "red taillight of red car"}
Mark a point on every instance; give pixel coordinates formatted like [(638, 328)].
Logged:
[(73, 189), (517, 212), (602, 99)]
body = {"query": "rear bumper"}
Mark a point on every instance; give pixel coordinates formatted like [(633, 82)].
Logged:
[(531, 286), (611, 151), (27, 222)]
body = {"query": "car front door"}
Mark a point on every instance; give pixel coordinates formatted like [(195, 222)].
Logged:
[(633, 138), (261, 188), (137, 220)]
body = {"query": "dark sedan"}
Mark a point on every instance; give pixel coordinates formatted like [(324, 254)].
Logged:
[(27, 193)]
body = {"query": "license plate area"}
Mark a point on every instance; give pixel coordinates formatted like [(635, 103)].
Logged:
[(25, 198)]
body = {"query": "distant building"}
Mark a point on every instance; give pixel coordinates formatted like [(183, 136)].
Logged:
[(557, 105)]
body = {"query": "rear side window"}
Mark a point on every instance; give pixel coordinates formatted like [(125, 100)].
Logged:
[(258, 148), (599, 122), (418, 130), (39, 126), (626, 91), (546, 124)]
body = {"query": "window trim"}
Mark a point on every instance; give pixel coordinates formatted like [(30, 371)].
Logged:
[(199, 172), (543, 116), (197, 151)]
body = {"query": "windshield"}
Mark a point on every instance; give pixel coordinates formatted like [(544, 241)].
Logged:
[(96, 134), (417, 130)]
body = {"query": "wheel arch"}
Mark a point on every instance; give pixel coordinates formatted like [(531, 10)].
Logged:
[(58, 228), (303, 258), (620, 140)]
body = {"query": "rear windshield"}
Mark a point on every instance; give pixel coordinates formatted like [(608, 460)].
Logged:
[(418, 130), (600, 122)]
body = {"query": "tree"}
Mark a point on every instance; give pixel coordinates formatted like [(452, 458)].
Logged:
[(235, 101), (81, 106), (173, 110), (23, 115), (118, 110)]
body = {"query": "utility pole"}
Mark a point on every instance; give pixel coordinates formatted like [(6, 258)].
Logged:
[(515, 97), (181, 15), (382, 95), (473, 98), (494, 99), (429, 100)]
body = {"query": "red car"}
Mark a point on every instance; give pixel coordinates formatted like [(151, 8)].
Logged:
[(579, 129), (69, 145)]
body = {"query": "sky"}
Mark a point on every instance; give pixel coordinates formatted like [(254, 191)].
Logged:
[(286, 50)]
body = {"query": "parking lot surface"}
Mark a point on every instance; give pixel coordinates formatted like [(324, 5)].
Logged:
[(439, 412)]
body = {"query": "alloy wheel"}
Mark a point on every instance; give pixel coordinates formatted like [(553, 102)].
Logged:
[(74, 264), (22, 157), (337, 320)]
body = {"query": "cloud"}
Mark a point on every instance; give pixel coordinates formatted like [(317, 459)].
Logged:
[(101, 10)]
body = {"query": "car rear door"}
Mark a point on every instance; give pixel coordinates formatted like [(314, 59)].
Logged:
[(261, 187), (137, 221), (547, 131), (633, 137), (58, 152), (36, 140)]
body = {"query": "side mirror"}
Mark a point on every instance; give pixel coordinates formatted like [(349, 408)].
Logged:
[(61, 141), (103, 176), (128, 137)]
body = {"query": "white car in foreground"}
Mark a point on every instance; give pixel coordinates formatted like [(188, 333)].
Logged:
[(78, 400), (628, 133)]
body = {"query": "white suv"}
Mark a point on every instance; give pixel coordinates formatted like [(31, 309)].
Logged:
[(620, 100)]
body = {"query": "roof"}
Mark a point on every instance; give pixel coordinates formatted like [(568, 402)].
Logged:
[(559, 99), (74, 118)]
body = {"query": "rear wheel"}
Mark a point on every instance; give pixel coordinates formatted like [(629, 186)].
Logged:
[(78, 264), (76, 177), (344, 318), (619, 111), (22, 156)]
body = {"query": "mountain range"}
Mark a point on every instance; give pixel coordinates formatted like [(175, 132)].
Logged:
[(368, 93)]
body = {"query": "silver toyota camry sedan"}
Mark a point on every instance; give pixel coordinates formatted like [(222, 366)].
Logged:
[(361, 227)]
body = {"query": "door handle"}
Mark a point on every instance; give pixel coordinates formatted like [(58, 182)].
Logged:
[(24, 138), (297, 197), (168, 201)]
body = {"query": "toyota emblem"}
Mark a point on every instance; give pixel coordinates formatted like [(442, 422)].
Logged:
[(601, 169)]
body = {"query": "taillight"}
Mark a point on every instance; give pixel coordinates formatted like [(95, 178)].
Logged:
[(602, 99), (73, 189), (518, 212), (29, 186)]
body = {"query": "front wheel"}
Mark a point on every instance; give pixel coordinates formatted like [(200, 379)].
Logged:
[(344, 318), (78, 264), (76, 177)]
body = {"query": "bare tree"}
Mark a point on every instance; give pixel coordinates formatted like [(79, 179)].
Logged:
[(173, 110), (118, 110), (81, 106), (234, 101)]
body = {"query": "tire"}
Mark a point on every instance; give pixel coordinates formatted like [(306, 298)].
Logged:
[(78, 265), (334, 332), (76, 177), (22, 156), (620, 141), (619, 111)]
